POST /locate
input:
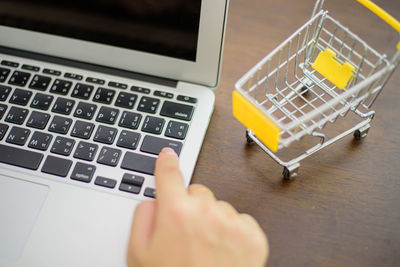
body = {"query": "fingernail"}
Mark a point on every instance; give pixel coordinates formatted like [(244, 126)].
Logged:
[(168, 150)]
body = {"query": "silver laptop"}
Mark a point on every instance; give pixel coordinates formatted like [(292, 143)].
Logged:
[(90, 92)]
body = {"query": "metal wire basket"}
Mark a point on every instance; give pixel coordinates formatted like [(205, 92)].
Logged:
[(319, 74)]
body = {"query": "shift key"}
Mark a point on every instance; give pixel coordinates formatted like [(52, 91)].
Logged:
[(177, 111), (154, 145)]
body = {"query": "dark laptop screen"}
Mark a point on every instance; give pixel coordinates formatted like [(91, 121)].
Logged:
[(164, 27)]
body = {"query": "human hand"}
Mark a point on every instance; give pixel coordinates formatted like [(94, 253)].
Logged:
[(190, 227)]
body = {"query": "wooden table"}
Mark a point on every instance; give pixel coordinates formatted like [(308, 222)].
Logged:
[(344, 208)]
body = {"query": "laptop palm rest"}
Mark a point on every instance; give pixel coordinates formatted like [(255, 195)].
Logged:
[(20, 204)]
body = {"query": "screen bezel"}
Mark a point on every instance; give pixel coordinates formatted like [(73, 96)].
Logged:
[(204, 71)]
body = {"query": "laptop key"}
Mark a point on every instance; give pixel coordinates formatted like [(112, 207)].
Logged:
[(104, 95), (4, 74), (18, 136), (133, 179), (126, 100), (105, 182), (61, 87), (128, 139), (40, 141), (3, 130), (9, 63), (109, 156), (85, 111), (73, 76), (150, 192), (82, 129), (140, 90), (20, 157), (83, 172), (38, 120), (131, 183), (82, 91), (154, 145), (105, 135), (95, 80), (62, 146), (19, 78), (148, 104), (16, 115), (4, 92), (130, 120), (138, 163), (56, 166), (118, 85), (163, 94), (52, 72), (187, 99), (130, 188), (86, 151), (42, 101), (60, 125), (3, 109), (20, 97), (30, 67), (40, 82), (176, 130), (177, 110), (107, 115), (153, 125), (63, 106)]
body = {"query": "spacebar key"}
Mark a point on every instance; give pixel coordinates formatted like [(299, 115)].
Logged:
[(138, 163), (19, 157)]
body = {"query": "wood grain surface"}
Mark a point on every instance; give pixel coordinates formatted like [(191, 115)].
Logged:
[(344, 208)]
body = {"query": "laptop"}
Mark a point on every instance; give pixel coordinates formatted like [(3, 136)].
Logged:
[(90, 92)]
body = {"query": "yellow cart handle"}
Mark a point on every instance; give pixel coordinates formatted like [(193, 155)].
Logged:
[(383, 15)]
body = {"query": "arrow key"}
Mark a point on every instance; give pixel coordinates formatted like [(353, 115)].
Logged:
[(106, 182)]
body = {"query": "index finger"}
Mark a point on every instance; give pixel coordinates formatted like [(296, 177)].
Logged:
[(169, 181)]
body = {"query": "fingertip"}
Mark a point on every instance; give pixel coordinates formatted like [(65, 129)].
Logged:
[(168, 151), (167, 154), (166, 158)]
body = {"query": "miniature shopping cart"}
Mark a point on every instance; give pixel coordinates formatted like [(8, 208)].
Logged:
[(316, 76)]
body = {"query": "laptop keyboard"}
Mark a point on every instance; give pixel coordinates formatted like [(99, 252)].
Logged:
[(67, 125)]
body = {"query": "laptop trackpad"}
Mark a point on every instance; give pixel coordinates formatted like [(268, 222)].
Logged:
[(20, 203)]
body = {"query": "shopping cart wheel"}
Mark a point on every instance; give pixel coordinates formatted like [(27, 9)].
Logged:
[(290, 172), (357, 135), (248, 138), (362, 132), (304, 90)]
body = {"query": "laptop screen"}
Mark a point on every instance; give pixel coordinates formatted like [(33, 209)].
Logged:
[(164, 27)]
